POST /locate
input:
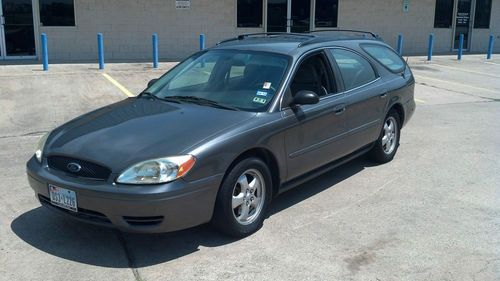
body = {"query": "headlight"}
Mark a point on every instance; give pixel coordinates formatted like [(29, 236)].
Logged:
[(159, 170), (40, 146)]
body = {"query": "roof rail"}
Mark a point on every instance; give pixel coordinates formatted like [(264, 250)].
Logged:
[(318, 38), (374, 35), (267, 34)]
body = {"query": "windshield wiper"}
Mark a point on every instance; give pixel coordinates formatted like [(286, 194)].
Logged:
[(154, 97), (201, 101), (147, 94)]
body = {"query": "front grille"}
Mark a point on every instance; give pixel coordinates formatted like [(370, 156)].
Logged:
[(84, 214), (144, 220), (88, 169)]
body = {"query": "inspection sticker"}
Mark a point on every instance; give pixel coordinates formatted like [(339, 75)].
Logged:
[(262, 93), (259, 100), (267, 85)]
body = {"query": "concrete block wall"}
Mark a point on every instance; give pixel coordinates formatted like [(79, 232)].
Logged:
[(127, 26), (386, 17)]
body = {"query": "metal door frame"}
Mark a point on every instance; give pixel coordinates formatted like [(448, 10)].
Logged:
[(3, 46), (2, 37), (471, 25)]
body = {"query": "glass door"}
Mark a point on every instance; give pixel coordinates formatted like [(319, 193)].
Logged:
[(288, 15), (277, 19), (300, 15), (17, 29), (462, 23)]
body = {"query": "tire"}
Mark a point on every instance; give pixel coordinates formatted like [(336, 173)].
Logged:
[(382, 151), (250, 200)]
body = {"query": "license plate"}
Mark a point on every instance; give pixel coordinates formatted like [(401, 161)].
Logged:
[(63, 198)]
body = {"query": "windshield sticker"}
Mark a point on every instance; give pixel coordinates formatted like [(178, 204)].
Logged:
[(262, 93), (267, 85), (259, 100)]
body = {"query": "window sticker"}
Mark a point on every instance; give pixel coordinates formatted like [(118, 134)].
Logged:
[(267, 85), (259, 100), (262, 93)]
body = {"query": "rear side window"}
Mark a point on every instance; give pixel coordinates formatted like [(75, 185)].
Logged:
[(386, 57), (355, 70)]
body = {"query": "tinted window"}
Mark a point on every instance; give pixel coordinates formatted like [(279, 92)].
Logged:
[(386, 57), (356, 71), (483, 14), (57, 13), (245, 80), (249, 13), (313, 75), (326, 13), (443, 15)]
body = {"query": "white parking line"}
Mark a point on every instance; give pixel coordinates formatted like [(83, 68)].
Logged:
[(456, 83), (466, 70)]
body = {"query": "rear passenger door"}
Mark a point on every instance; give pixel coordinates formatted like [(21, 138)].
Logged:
[(366, 96)]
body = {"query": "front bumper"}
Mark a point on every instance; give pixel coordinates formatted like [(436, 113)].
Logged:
[(149, 209)]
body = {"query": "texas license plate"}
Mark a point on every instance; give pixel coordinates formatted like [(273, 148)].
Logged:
[(63, 198)]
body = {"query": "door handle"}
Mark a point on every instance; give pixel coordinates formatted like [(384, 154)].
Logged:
[(339, 109), (384, 95)]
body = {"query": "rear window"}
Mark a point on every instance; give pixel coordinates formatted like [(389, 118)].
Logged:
[(386, 57)]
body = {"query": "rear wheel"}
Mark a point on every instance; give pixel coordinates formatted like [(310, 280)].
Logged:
[(243, 198), (387, 144)]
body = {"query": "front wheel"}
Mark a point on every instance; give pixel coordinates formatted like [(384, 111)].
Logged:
[(387, 144), (243, 198)]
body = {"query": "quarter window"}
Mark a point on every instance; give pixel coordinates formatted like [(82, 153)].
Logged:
[(249, 13), (386, 57), (326, 13), (57, 12), (483, 14), (355, 70), (443, 14)]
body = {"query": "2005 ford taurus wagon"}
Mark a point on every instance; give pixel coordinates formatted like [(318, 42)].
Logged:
[(225, 131)]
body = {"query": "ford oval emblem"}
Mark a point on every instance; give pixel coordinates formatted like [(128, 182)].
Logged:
[(74, 167)]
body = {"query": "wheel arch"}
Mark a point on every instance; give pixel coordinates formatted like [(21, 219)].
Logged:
[(400, 111), (267, 157)]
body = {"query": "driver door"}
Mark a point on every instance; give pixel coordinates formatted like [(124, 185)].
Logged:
[(316, 135)]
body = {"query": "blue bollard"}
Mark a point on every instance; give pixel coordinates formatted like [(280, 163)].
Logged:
[(202, 42), (460, 46), (100, 49), (400, 44), (45, 52), (431, 46), (155, 50), (490, 47)]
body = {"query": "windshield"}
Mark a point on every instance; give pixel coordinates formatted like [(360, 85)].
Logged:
[(244, 80)]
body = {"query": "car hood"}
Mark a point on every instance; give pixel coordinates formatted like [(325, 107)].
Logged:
[(135, 130)]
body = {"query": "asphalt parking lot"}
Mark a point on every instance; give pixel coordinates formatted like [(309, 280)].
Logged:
[(431, 214)]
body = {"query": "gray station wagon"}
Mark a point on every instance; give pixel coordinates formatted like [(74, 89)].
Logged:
[(225, 131)]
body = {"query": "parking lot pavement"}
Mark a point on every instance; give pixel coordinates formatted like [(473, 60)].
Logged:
[(431, 214)]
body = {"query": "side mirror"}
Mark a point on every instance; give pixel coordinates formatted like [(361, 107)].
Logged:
[(305, 97), (150, 83)]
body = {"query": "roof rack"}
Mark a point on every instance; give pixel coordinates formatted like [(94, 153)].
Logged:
[(374, 35), (267, 34), (318, 38)]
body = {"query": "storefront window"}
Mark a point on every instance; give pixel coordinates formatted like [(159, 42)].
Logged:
[(57, 13), (249, 13), (443, 16), (326, 13), (483, 14)]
